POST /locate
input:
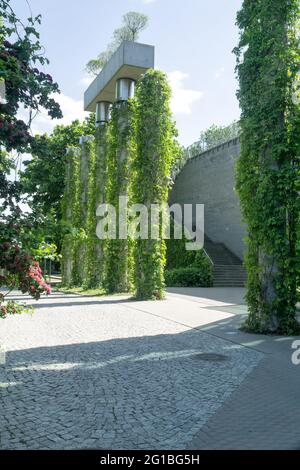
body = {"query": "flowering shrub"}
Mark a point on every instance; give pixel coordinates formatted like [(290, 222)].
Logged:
[(21, 271)]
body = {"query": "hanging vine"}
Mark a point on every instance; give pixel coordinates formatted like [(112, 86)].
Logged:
[(70, 212), (118, 252), (97, 184), (268, 64), (80, 260), (155, 152)]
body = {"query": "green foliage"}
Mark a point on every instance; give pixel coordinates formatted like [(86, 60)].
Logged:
[(44, 176), (91, 292), (268, 63), (155, 153), (133, 24), (97, 185), (217, 135), (24, 85), (181, 262), (70, 214), (18, 271), (11, 307), (46, 251), (20, 55), (212, 137), (177, 255), (118, 262), (81, 205), (188, 277)]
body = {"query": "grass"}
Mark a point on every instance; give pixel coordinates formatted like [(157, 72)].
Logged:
[(80, 290)]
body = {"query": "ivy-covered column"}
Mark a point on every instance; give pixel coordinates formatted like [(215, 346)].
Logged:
[(80, 261), (118, 252), (268, 169), (69, 204), (155, 150), (97, 183)]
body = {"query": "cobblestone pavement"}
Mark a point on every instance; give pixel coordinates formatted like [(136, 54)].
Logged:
[(106, 373)]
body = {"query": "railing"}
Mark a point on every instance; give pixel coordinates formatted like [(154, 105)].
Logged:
[(190, 155), (209, 258)]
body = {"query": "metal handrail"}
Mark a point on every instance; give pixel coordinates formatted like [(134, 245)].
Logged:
[(209, 258)]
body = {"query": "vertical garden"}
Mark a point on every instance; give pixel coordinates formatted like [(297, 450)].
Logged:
[(130, 156), (268, 169)]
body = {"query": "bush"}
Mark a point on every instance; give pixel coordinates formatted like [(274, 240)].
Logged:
[(19, 271), (178, 256), (188, 277), (186, 268)]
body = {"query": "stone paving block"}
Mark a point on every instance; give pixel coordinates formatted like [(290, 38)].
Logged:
[(96, 373)]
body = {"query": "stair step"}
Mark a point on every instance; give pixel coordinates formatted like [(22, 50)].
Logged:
[(229, 284), (228, 269), (230, 278)]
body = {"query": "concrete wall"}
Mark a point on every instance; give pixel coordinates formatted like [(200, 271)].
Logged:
[(209, 179)]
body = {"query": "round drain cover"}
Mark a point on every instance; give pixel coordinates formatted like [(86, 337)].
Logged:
[(211, 357)]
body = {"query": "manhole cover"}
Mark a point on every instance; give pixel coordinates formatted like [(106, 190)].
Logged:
[(211, 357)]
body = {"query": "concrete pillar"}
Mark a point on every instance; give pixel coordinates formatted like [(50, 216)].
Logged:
[(80, 265), (102, 112), (99, 182), (124, 89), (2, 92), (72, 160)]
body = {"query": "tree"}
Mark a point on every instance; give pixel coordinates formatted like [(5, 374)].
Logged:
[(20, 54), (26, 85), (217, 135), (133, 24), (44, 175), (268, 63), (213, 136)]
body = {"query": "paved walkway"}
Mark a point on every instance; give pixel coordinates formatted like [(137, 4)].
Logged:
[(110, 373)]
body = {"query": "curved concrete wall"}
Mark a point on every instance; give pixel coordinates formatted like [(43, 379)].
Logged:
[(209, 179)]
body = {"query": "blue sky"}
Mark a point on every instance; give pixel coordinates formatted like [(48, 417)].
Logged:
[(193, 42)]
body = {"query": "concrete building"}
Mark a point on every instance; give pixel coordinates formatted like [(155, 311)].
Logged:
[(209, 179), (126, 65)]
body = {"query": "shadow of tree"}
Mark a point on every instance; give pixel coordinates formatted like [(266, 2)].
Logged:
[(148, 392)]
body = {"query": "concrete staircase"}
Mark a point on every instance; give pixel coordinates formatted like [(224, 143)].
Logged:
[(227, 267)]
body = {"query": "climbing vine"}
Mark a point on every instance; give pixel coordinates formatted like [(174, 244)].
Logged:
[(268, 64), (118, 262), (82, 202), (70, 213), (155, 149), (97, 184)]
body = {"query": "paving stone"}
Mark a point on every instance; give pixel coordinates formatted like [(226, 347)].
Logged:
[(99, 372)]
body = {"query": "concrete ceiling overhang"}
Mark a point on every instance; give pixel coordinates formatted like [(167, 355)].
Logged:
[(130, 60)]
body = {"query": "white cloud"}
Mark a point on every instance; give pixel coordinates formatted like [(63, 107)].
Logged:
[(183, 98), (86, 80), (181, 103), (220, 73), (148, 1), (71, 109)]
